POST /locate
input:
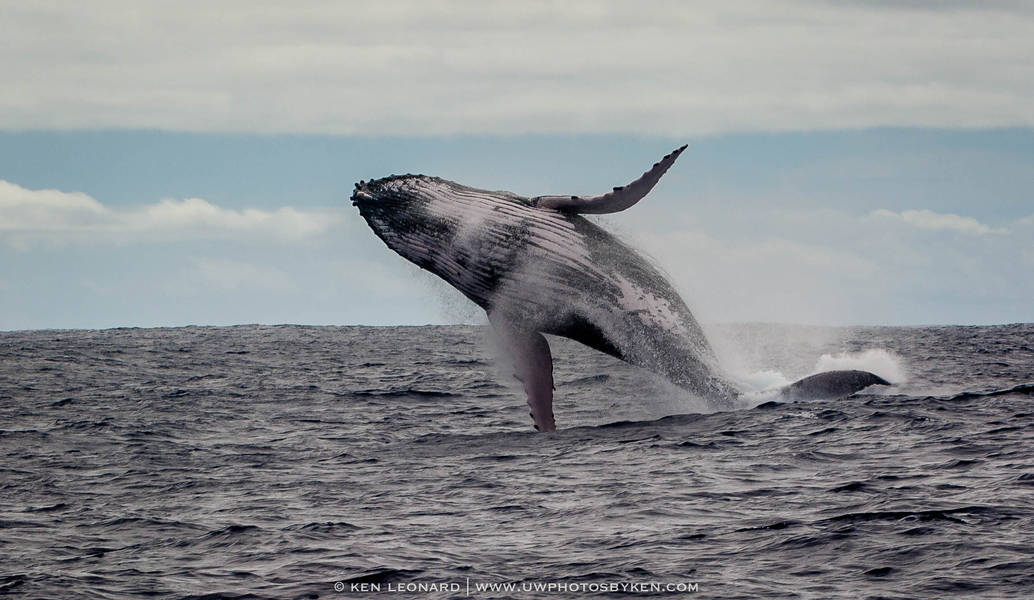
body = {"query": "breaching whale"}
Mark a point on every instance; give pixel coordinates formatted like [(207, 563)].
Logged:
[(537, 266)]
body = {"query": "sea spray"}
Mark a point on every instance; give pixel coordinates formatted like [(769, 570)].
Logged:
[(882, 362)]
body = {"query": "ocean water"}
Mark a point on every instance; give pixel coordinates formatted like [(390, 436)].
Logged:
[(330, 462)]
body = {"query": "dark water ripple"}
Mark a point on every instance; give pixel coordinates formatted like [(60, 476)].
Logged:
[(275, 462)]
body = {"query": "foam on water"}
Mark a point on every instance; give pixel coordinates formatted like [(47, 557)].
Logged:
[(759, 387)]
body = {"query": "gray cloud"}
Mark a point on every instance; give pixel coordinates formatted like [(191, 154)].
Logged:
[(474, 67)]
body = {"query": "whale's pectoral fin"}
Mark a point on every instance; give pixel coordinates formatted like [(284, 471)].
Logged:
[(615, 201), (831, 384), (533, 365)]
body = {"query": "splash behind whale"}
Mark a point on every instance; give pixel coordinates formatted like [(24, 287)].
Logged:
[(536, 266)]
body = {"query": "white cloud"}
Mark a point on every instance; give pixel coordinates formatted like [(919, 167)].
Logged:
[(928, 219), (23, 208), (668, 67), (230, 275), (52, 216)]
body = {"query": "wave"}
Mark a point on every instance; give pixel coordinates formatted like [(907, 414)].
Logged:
[(1025, 389), (395, 393)]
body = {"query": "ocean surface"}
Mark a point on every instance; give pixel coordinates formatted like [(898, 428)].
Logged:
[(303, 462)]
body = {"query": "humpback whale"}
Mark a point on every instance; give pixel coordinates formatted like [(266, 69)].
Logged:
[(536, 266)]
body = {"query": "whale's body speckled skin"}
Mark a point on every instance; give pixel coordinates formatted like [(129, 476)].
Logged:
[(537, 266)]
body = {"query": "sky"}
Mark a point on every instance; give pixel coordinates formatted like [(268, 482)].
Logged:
[(166, 164)]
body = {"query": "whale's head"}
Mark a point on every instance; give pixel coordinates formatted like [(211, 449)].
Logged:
[(466, 236), (415, 215)]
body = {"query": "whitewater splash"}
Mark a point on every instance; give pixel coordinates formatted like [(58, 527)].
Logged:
[(765, 385), (883, 362)]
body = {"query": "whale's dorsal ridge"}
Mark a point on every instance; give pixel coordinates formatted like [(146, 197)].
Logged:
[(622, 196)]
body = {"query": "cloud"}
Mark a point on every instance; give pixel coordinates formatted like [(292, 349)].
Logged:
[(928, 219), (230, 275), (835, 266), (413, 67), (53, 216), (771, 278)]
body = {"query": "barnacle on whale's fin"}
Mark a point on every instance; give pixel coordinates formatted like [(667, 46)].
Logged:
[(614, 201)]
